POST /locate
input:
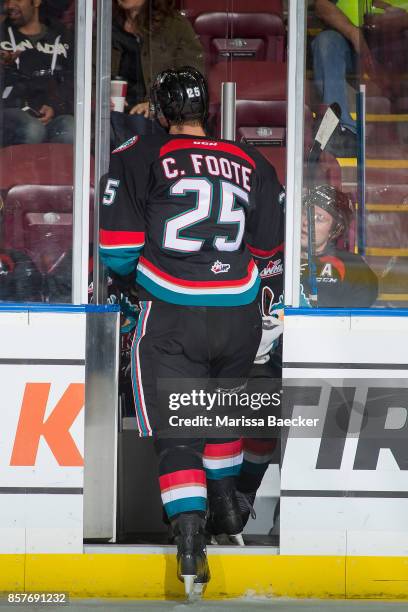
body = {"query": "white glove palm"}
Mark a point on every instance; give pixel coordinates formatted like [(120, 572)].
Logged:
[(272, 326)]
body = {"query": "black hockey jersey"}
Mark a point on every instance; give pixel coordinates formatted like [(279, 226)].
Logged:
[(344, 280), (271, 273), (189, 212)]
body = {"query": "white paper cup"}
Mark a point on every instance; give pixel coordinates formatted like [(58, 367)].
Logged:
[(118, 104), (118, 88), (118, 95)]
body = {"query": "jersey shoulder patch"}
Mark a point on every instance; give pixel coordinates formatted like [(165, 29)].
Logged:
[(127, 144)]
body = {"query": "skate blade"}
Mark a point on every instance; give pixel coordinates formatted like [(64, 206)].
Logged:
[(223, 539), (237, 539), (189, 585), (198, 590)]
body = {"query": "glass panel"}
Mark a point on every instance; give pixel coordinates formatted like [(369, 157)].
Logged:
[(147, 38), (354, 254), (386, 192), (36, 164)]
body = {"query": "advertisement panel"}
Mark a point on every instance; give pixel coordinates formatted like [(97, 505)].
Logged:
[(42, 377), (345, 485)]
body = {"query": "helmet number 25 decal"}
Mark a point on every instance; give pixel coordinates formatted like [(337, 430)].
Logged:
[(228, 214)]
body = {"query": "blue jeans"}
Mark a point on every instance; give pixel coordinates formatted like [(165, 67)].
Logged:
[(333, 59), (21, 128)]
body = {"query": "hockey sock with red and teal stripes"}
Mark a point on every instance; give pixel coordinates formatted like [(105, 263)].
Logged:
[(257, 455), (182, 478), (183, 491), (222, 458)]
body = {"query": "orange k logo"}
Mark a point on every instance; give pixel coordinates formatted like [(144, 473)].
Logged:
[(55, 429)]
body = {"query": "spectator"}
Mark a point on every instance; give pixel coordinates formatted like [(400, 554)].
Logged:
[(343, 279), (53, 10), (38, 94), (336, 53), (20, 281), (68, 18), (148, 36)]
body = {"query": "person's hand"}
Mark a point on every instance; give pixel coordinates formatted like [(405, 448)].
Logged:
[(394, 17), (361, 48), (141, 109), (366, 60), (47, 113), (7, 58), (388, 8), (394, 9)]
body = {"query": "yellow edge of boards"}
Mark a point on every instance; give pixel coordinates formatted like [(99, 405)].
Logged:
[(393, 297), (384, 118), (393, 164), (153, 576), (387, 207), (386, 252)]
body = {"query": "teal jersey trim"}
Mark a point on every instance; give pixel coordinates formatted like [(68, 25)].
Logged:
[(122, 261), (143, 430), (185, 299)]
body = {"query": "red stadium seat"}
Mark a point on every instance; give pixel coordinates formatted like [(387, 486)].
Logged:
[(193, 8), (260, 101), (260, 81), (387, 194), (255, 36), (328, 170), (38, 164), (386, 229), (38, 220), (277, 157), (269, 114), (261, 113)]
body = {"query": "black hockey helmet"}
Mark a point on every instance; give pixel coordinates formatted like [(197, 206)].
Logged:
[(335, 202), (180, 95)]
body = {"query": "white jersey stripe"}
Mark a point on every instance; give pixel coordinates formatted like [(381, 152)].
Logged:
[(138, 388), (199, 290)]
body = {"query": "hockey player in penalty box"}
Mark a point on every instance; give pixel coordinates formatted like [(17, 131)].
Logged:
[(343, 279), (340, 278), (182, 212)]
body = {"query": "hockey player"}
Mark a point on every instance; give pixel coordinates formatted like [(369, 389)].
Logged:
[(267, 369), (343, 279), (181, 213)]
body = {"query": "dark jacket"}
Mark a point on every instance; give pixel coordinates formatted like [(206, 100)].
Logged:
[(128, 50), (174, 45), (43, 73), (344, 280)]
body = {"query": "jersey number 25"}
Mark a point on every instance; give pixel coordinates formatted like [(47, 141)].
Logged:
[(228, 214)]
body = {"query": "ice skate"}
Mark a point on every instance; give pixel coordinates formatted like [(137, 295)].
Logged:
[(225, 521), (246, 505), (192, 564)]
